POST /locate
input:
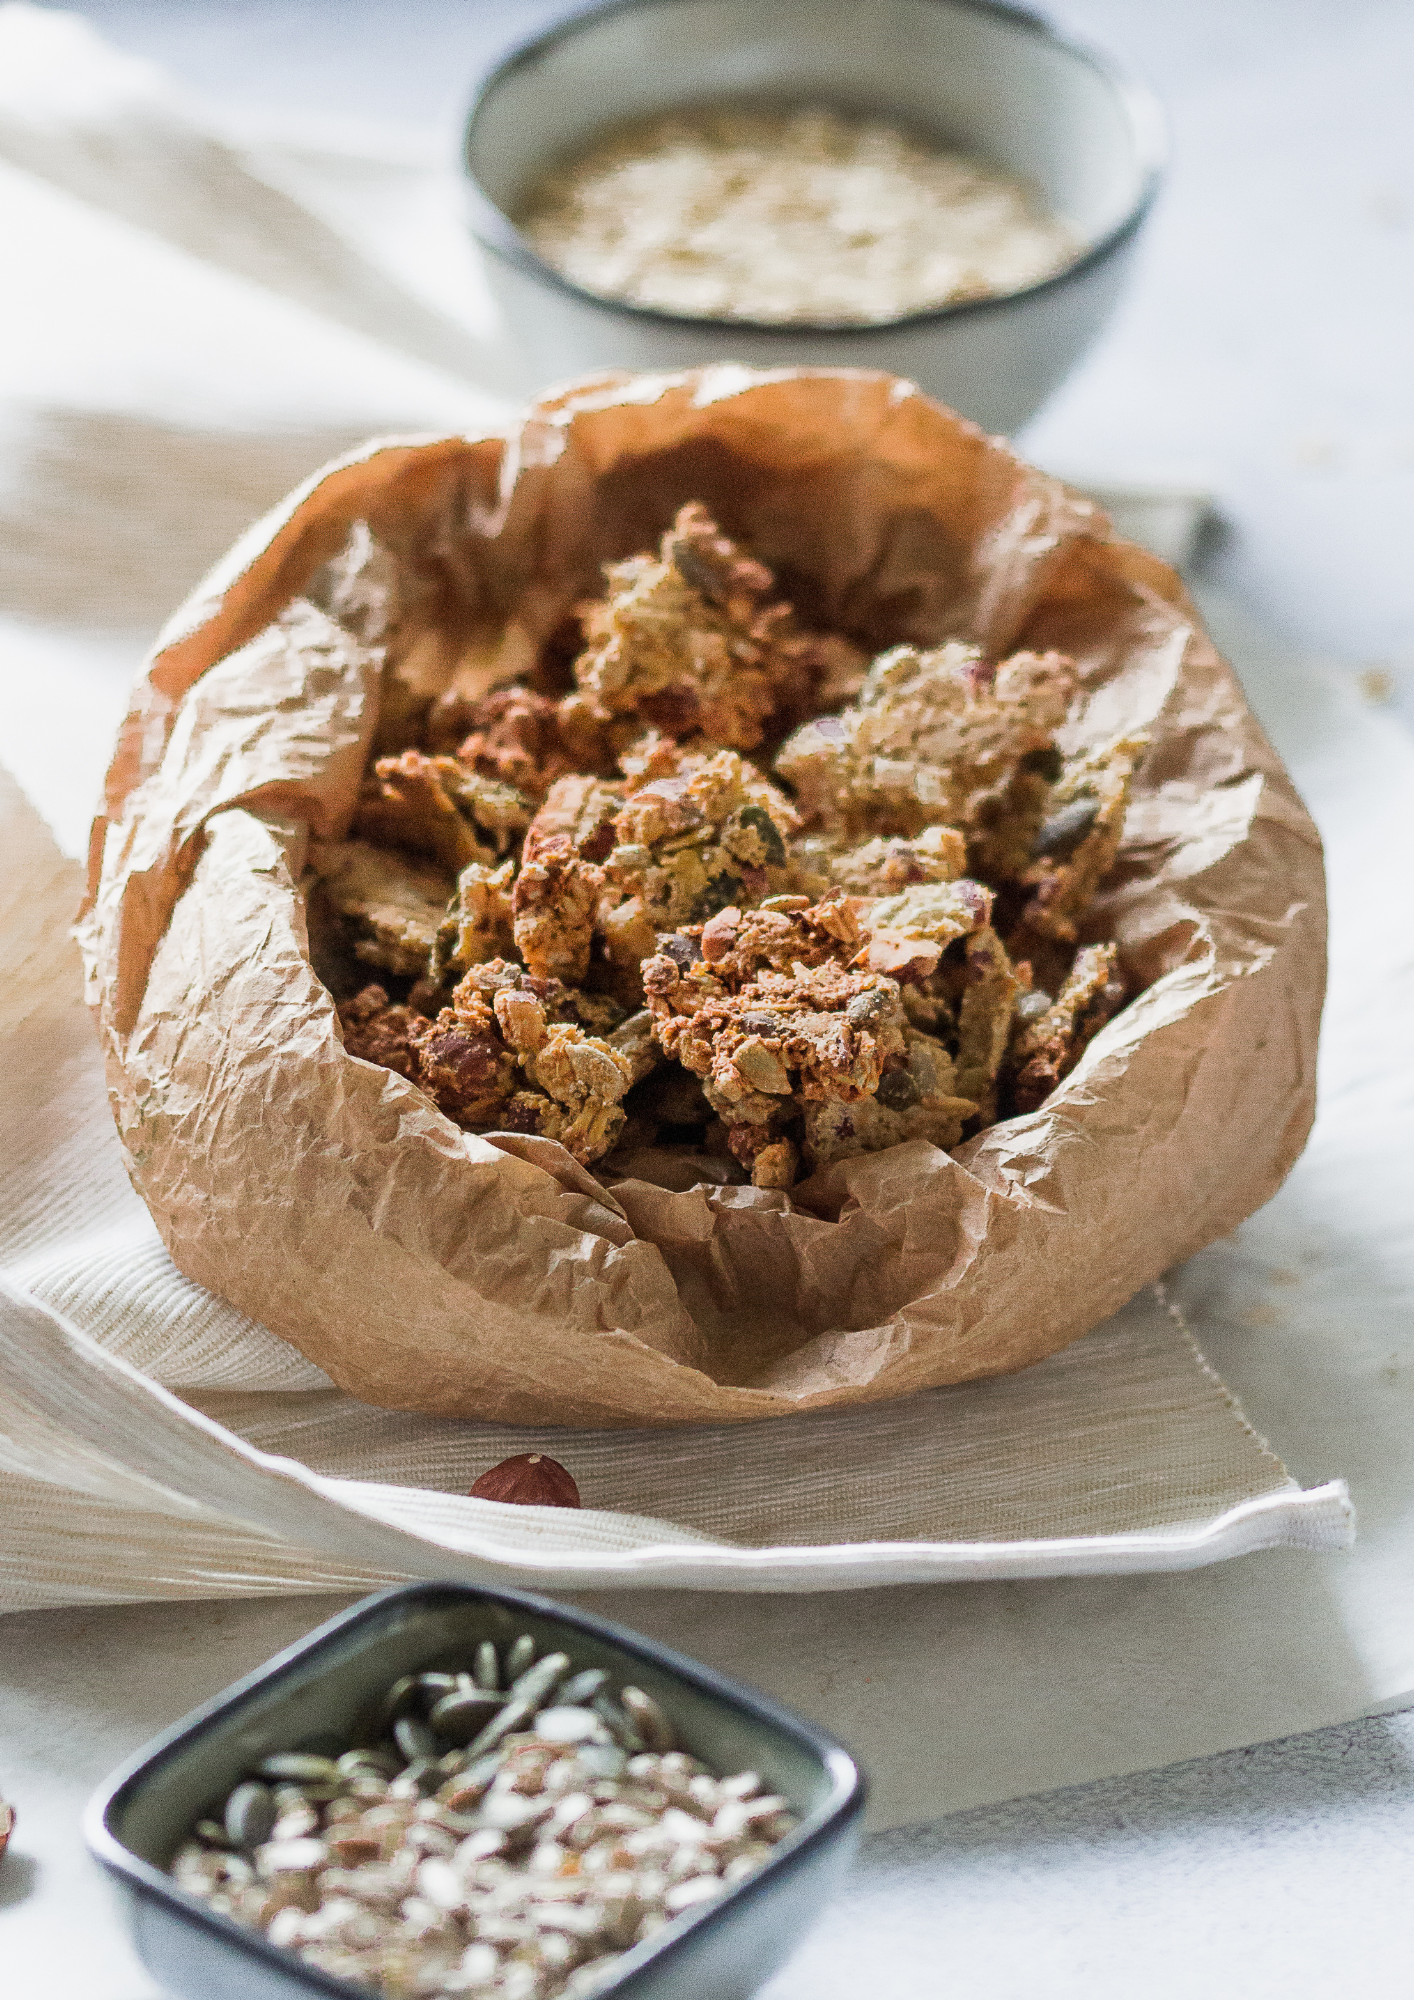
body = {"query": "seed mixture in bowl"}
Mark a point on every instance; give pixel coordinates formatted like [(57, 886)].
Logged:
[(738, 893), (509, 1830), (792, 217)]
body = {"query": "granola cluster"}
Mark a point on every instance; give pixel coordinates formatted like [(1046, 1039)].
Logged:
[(736, 890)]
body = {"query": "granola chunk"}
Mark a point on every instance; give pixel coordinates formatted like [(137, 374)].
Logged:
[(377, 1032), (879, 867), (597, 1013), (1050, 1039), (909, 933), (392, 905), (694, 642), (477, 924), (697, 835), (1077, 840), (513, 736), (991, 987), (958, 980), (498, 1059), (436, 806), (918, 1098), (765, 1008), (934, 739), (557, 892)]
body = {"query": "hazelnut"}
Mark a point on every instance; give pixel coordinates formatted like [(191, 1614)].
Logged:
[(529, 1480)]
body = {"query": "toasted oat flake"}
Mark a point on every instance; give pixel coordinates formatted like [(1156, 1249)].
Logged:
[(804, 217)]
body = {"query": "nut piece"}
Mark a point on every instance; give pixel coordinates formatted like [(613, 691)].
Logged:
[(528, 1480), (7, 1824)]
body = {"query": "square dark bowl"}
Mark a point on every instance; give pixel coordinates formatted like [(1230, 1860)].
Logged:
[(317, 1689)]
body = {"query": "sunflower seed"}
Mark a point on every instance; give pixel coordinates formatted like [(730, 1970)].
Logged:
[(486, 1668), (565, 1724)]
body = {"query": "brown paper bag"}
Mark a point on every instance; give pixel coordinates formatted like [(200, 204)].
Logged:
[(431, 1269)]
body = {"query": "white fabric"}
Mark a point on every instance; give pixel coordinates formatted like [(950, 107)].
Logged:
[(244, 337)]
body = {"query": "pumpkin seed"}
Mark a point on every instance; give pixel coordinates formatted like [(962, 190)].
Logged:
[(512, 1716), (583, 1687), (1063, 832), (300, 1768), (251, 1813), (459, 1716), (414, 1739), (540, 1680), (648, 1718)]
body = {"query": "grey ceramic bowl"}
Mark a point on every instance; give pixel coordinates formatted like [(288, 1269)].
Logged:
[(989, 80), (318, 1689)]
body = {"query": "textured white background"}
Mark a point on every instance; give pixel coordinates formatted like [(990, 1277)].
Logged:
[(1262, 354)]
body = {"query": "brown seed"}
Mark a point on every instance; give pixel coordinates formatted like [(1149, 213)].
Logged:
[(529, 1480)]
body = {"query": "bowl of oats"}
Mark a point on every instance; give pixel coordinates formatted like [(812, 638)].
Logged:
[(954, 196), (448, 1790)]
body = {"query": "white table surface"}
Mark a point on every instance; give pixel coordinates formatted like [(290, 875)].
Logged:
[(1262, 356)]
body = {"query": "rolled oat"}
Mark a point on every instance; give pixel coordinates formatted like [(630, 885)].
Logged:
[(791, 217)]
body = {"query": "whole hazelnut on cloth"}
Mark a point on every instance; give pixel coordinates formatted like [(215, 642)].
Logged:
[(529, 1480)]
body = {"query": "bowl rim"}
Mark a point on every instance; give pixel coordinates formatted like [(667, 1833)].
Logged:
[(1148, 124), (832, 1817)]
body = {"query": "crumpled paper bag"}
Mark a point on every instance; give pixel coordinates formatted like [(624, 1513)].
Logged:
[(427, 1268)]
